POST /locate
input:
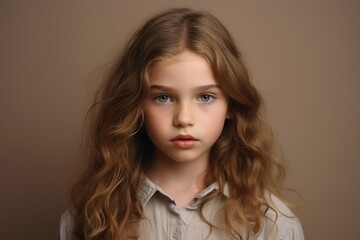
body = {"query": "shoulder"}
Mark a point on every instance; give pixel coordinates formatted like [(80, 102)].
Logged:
[(66, 231), (280, 222)]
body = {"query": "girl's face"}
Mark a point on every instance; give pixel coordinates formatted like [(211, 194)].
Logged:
[(185, 110)]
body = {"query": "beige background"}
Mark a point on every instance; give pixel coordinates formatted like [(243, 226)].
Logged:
[(303, 56)]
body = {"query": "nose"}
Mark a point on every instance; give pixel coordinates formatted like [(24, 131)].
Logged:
[(184, 115)]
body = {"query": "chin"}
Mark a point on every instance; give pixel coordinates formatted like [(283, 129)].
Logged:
[(185, 158)]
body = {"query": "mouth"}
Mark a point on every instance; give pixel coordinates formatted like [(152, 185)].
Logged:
[(184, 141), (184, 137)]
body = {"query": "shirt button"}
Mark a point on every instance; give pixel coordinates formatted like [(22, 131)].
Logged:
[(174, 235)]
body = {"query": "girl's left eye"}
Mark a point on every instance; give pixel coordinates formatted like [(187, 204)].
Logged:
[(206, 98)]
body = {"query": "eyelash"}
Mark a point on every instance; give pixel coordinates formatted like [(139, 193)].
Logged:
[(168, 98), (211, 97), (157, 98)]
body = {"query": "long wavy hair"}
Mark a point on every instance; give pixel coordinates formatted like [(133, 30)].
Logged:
[(105, 202)]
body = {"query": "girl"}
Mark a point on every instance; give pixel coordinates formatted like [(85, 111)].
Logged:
[(178, 149)]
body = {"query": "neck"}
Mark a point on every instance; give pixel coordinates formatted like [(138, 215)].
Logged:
[(181, 180)]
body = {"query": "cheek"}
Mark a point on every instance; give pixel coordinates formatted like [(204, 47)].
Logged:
[(214, 122), (215, 126), (216, 113), (154, 123), (150, 120)]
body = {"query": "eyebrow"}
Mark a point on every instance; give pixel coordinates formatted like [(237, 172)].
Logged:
[(199, 88)]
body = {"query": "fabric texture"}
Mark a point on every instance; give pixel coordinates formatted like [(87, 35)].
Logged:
[(165, 221)]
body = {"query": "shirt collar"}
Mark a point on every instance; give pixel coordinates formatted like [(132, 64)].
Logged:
[(148, 189)]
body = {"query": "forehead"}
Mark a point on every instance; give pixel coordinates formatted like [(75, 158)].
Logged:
[(186, 66)]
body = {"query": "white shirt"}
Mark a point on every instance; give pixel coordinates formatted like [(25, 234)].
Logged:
[(165, 221)]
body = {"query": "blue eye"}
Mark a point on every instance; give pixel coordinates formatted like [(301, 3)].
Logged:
[(206, 98), (162, 99)]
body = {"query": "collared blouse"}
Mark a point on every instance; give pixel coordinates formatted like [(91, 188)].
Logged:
[(165, 221)]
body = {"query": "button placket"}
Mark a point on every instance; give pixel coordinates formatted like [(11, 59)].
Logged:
[(176, 234), (175, 222)]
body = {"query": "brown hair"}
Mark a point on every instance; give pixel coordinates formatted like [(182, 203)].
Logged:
[(105, 203)]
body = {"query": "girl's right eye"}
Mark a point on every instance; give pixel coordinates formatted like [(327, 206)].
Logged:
[(162, 99)]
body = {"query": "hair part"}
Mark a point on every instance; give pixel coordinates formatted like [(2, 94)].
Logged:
[(105, 201)]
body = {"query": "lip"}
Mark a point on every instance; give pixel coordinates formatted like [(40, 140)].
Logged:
[(184, 141)]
